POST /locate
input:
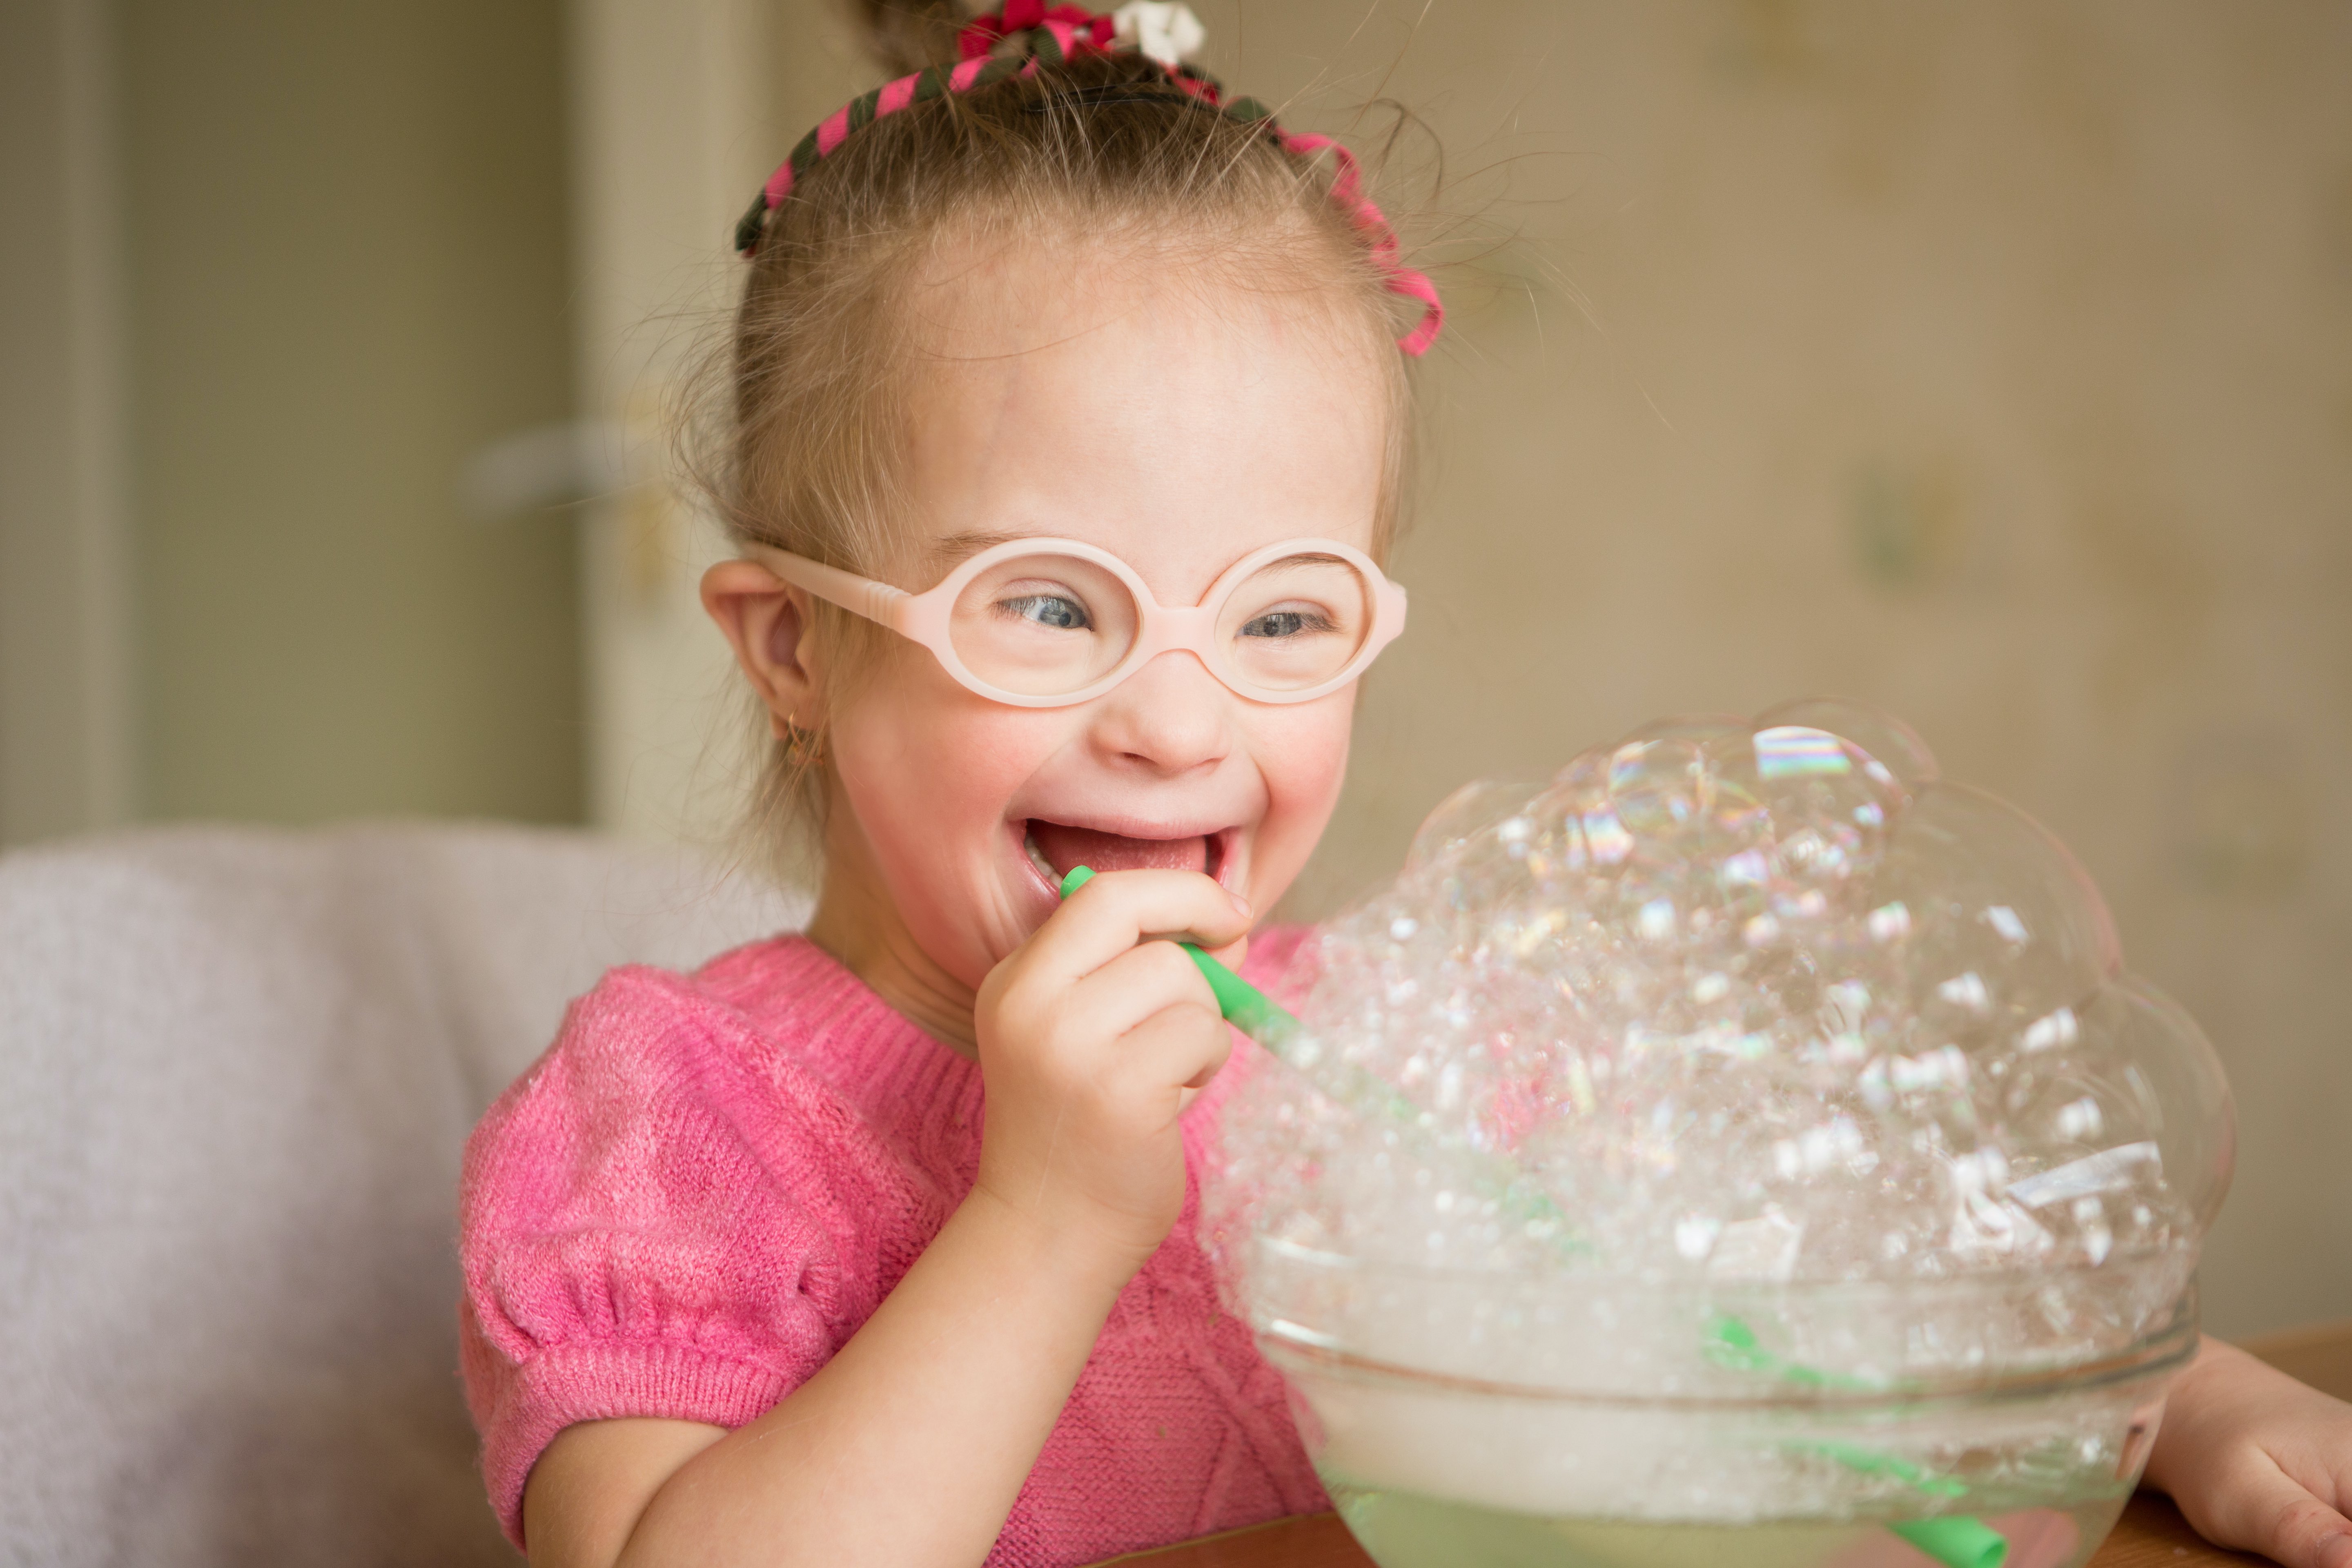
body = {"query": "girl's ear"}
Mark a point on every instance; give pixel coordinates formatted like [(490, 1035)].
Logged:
[(767, 621)]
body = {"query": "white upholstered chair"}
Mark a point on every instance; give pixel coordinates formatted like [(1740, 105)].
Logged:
[(236, 1070)]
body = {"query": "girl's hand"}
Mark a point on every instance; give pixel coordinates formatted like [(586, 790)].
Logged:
[(1092, 1040), (2257, 1460)]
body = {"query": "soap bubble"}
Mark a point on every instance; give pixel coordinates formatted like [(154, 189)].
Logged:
[(1467, 811), (1738, 1005), (1880, 737)]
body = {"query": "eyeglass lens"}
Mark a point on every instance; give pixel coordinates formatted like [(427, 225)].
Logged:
[(1046, 625), (1296, 622)]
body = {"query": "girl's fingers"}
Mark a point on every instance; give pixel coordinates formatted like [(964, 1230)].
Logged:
[(1231, 955), (1181, 1046), (1140, 982), (2261, 1508), (2258, 1460), (1120, 909)]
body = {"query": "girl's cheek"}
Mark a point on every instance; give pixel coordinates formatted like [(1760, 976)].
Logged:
[(1304, 763), (979, 754), (913, 717), (938, 770), (1310, 763)]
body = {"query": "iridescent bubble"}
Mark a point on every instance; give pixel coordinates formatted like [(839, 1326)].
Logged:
[(2000, 923), (2176, 1077), (1883, 738), (1462, 816), (1667, 784)]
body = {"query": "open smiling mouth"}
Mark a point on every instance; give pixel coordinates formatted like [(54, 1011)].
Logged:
[(1055, 847)]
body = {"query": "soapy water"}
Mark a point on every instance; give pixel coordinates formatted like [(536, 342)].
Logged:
[(1405, 1530), (1731, 1011)]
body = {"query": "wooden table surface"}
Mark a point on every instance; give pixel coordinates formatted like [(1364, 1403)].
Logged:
[(2150, 1533)]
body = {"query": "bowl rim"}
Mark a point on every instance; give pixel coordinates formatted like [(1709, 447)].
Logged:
[(2158, 1351), (1987, 1282)]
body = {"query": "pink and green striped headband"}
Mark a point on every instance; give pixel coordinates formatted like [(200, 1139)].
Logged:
[(1055, 36)]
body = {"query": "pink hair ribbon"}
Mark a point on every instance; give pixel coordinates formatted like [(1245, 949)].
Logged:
[(1054, 35), (1068, 24), (1348, 193)]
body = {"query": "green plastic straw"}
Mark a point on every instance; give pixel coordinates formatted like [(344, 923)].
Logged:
[(1956, 1540), (1246, 1007), (1960, 1540), (1730, 1343), (1261, 1017)]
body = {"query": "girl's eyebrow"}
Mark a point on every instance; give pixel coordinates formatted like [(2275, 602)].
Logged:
[(956, 548)]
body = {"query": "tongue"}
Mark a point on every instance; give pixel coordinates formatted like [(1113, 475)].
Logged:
[(1064, 846)]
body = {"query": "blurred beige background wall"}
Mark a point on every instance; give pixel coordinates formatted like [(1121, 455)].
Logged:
[(68, 731), (348, 271), (277, 270)]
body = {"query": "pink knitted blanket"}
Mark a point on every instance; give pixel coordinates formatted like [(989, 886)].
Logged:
[(709, 1181)]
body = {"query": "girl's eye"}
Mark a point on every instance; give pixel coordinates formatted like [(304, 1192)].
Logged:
[(1286, 624), (1048, 610)]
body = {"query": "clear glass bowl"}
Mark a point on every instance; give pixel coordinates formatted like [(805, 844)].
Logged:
[(1486, 1421)]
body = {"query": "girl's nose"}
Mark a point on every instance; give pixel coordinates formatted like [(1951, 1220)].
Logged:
[(1170, 717)]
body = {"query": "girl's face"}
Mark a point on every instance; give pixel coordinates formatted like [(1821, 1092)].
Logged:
[(1179, 423)]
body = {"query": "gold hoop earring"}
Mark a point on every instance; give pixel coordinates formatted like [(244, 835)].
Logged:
[(804, 747)]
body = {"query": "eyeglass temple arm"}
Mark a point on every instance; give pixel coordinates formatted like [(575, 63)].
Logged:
[(864, 596)]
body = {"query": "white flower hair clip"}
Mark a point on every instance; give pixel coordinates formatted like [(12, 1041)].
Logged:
[(1162, 30)]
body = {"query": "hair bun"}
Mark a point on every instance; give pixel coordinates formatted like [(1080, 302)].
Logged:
[(906, 35)]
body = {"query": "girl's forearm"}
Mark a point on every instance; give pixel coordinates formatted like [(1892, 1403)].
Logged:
[(909, 1446)]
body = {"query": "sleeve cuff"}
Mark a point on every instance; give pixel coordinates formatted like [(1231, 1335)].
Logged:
[(567, 1385)]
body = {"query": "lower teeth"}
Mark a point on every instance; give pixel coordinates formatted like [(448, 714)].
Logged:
[(1039, 860)]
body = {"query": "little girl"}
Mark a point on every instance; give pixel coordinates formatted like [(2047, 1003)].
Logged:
[(1067, 429)]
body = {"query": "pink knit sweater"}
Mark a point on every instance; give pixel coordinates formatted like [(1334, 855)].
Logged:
[(709, 1181)]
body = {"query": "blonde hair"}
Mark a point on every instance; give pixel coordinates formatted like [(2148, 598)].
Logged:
[(805, 452)]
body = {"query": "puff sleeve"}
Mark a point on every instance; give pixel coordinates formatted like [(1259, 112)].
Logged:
[(664, 1218)]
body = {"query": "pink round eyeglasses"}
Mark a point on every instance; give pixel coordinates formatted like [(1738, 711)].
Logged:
[(1046, 623)]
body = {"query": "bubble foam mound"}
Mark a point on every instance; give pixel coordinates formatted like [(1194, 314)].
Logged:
[(1741, 1005)]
